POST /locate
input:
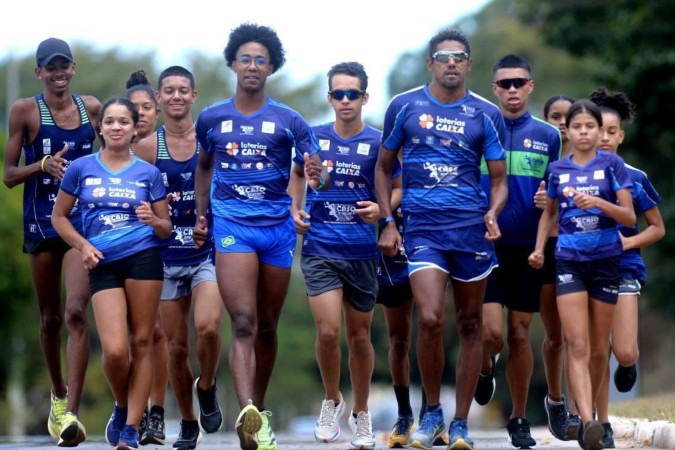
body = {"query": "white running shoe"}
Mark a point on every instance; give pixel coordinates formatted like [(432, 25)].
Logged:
[(362, 427), (327, 428)]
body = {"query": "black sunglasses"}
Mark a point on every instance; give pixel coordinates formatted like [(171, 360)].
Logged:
[(444, 56), (506, 83), (351, 94)]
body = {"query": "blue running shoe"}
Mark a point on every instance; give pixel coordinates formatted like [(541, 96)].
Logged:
[(431, 427), (128, 438), (459, 436), (115, 425)]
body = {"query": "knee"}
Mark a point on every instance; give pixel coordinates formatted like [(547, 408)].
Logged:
[(430, 324), (178, 351), (359, 338), (140, 346), (553, 344), (244, 327), (76, 318), (492, 340), (469, 327), (399, 344), (50, 324), (578, 348), (208, 335), (116, 357), (267, 334), (328, 337), (518, 337)]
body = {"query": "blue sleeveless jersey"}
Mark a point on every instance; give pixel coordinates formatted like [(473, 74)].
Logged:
[(39, 192), (336, 231), (530, 145), (393, 271), (443, 145), (108, 200), (645, 198), (252, 159), (587, 235), (179, 182)]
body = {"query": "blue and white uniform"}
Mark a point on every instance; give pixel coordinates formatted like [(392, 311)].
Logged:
[(253, 156), (40, 191), (108, 201), (587, 235), (336, 230), (179, 182), (645, 198), (443, 145)]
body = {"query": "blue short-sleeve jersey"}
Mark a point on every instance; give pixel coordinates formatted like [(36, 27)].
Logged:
[(336, 231), (252, 159), (108, 201), (443, 145), (645, 198), (587, 235)]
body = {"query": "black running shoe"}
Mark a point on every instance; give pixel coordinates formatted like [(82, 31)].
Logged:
[(625, 378), (485, 389), (519, 432), (591, 436), (573, 427), (210, 417), (608, 439), (189, 435), (154, 430), (557, 415)]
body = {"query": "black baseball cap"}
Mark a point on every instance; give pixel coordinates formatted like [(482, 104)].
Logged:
[(50, 49)]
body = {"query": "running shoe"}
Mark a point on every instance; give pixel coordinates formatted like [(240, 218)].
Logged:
[(558, 418), (519, 433), (128, 438), (362, 427), (188, 436), (459, 436), (154, 430), (210, 416), (400, 434), (327, 428), (485, 389), (591, 436), (608, 438), (57, 409), (266, 438), (573, 427), (431, 427), (117, 420), (625, 378), (72, 431), (247, 426), (143, 425)]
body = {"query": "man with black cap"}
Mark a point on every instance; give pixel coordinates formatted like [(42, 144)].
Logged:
[(52, 129)]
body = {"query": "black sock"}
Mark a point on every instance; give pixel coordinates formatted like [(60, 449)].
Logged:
[(423, 408), (403, 400), (157, 411)]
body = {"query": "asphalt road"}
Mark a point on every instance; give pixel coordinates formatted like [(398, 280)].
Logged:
[(485, 440)]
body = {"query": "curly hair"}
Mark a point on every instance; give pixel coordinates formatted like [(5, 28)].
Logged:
[(251, 32), (616, 102)]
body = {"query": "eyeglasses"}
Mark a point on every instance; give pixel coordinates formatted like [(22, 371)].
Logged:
[(506, 83), (259, 61), (444, 56), (351, 94)]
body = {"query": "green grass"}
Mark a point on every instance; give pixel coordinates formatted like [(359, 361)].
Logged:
[(657, 407)]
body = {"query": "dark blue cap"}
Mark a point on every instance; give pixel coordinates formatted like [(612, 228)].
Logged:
[(50, 49)]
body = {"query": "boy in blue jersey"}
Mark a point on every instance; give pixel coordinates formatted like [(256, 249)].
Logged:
[(530, 145), (247, 144), (189, 273), (339, 251), (53, 129), (444, 131)]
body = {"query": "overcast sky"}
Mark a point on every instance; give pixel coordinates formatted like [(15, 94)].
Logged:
[(316, 34)]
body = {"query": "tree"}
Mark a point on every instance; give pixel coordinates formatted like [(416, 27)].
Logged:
[(632, 40)]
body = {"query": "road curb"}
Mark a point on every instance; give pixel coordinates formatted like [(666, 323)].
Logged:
[(659, 434)]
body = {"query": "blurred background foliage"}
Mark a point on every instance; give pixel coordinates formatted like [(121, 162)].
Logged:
[(573, 46)]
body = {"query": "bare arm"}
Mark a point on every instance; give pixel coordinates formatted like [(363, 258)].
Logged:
[(654, 232), (93, 106), (19, 129), (146, 148), (297, 187), (390, 239), (203, 176), (499, 192), (548, 219), (61, 222)]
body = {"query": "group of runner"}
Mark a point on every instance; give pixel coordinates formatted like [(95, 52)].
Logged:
[(206, 213)]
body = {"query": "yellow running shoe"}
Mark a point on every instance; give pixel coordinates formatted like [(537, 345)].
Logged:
[(56, 412), (401, 433), (72, 431), (247, 426), (266, 438)]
